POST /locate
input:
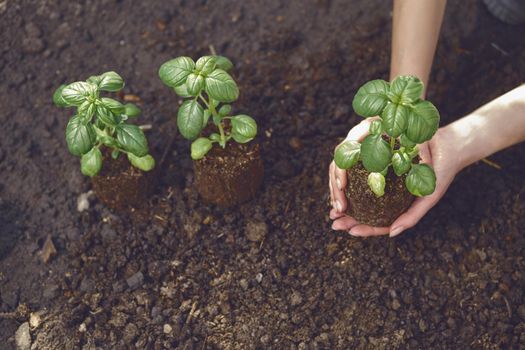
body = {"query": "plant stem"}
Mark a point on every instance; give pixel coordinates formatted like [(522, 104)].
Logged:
[(392, 143), (219, 125)]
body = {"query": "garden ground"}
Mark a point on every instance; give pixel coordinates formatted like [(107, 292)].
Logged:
[(270, 274)]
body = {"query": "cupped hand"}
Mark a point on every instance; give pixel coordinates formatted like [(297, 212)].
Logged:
[(438, 152)]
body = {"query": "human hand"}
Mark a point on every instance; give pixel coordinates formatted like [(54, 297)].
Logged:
[(438, 152)]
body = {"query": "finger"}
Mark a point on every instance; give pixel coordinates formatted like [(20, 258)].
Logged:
[(366, 231), (344, 223), (359, 132), (337, 195), (334, 214), (411, 217), (424, 153)]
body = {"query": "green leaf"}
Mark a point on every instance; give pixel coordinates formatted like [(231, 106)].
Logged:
[(91, 162), (221, 87), (132, 139), (194, 84), (106, 116), (371, 98), (206, 118), (94, 79), (244, 128), (405, 141), (206, 64), (225, 110), (215, 137), (421, 180), (405, 90), (401, 162), (145, 163), (131, 110), (110, 81), (108, 141), (190, 119), (376, 127), (115, 153), (395, 119), (182, 90), (375, 153), (223, 63), (175, 72), (80, 136), (376, 182), (200, 147), (423, 122), (114, 106), (58, 100), (76, 93), (87, 110), (347, 154)]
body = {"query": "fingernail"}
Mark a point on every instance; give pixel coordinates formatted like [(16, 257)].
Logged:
[(338, 206), (338, 183), (396, 231)]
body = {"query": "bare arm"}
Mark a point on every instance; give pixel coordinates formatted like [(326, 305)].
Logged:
[(415, 32)]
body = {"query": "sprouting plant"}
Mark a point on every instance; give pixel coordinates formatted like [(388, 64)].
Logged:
[(101, 121), (403, 116), (206, 81)]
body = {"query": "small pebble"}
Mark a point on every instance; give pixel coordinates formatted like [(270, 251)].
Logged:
[(167, 329), (259, 277), (23, 337)]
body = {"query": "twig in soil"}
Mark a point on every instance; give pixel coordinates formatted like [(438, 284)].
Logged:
[(190, 315), (212, 50), (145, 127), (497, 47), (509, 310), (491, 163)]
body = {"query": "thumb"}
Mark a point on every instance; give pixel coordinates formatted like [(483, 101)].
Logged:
[(411, 217)]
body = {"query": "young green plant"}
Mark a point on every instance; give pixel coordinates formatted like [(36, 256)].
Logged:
[(209, 89), (405, 120), (101, 122)]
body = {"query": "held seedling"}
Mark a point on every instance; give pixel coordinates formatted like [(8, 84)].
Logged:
[(208, 90), (102, 121), (405, 120)]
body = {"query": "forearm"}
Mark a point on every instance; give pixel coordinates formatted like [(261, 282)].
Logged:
[(415, 32), (491, 128)]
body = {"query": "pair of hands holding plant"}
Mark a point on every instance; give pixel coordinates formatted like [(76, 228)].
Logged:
[(399, 118)]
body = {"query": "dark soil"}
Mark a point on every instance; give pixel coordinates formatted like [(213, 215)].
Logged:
[(269, 274), (229, 176), (119, 185), (366, 207)]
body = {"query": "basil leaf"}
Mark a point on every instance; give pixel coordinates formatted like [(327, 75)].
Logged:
[(225, 110), (423, 122), (175, 72), (190, 119), (421, 180), (215, 137), (401, 162), (200, 147), (371, 98), (223, 63), (108, 141), (115, 153), (58, 100), (375, 153), (132, 139), (194, 84), (94, 79), (405, 141), (376, 182), (76, 93), (131, 110), (206, 64), (376, 127), (182, 90), (113, 105), (110, 81), (220, 86), (145, 163), (405, 90), (395, 119), (91, 162), (80, 136), (105, 115), (347, 154), (244, 128), (205, 118), (87, 110)]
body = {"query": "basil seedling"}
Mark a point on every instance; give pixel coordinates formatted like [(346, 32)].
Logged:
[(208, 89), (101, 121), (403, 115)]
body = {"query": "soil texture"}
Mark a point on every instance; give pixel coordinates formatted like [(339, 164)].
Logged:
[(229, 176), (270, 273)]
